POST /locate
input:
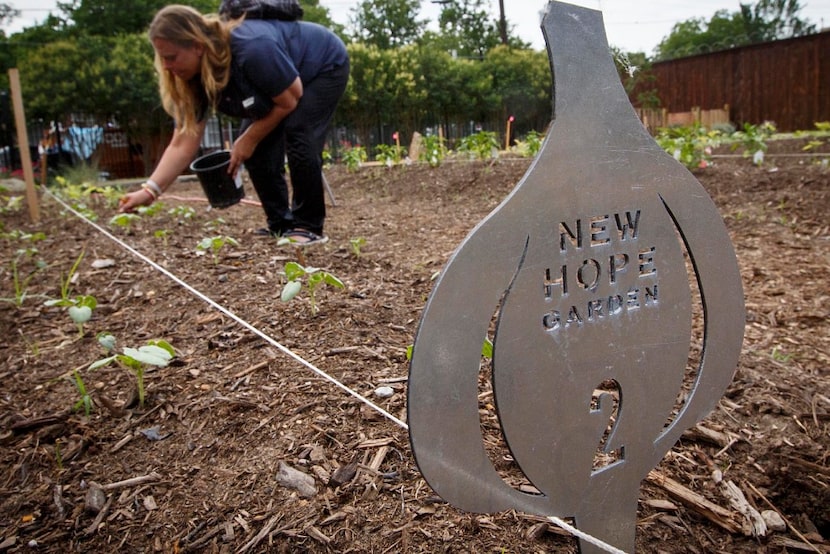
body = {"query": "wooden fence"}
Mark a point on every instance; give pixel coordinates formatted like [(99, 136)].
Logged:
[(654, 119), (785, 81)]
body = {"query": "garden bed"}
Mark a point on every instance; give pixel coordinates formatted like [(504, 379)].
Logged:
[(196, 467)]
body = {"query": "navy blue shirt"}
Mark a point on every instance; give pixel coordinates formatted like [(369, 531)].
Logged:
[(268, 55)]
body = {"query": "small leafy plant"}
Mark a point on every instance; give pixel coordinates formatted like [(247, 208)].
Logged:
[(482, 145), (754, 138), (124, 221), (531, 144), (162, 235), (182, 212), (389, 154), (153, 209), (156, 353), (354, 157), (433, 150), (21, 282), (356, 244), (85, 400), (214, 245), (314, 277), (79, 308), (691, 146), (81, 311)]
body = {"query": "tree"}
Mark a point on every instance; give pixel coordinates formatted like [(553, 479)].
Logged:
[(7, 14), (522, 83), (387, 23), (466, 29), (109, 18), (774, 19), (762, 22), (696, 36)]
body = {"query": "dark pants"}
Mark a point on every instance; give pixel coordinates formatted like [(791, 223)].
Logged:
[(300, 137)]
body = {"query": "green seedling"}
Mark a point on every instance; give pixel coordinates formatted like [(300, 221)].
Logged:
[(156, 353), (354, 157), (81, 311), (21, 283), (754, 138), (530, 146), (162, 234), (389, 155), (106, 340), (314, 277), (482, 145), (17, 234), (151, 210), (85, 400), (11, 204), (214, 245), (66, 284), (124, 221), (356, 244), (182, 212), (692, 146), (433, 150), (779, 356), (79, 308), (215, 223)]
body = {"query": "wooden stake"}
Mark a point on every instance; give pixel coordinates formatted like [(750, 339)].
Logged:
[(23, 145)]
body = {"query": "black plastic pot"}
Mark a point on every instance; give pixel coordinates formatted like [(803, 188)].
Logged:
[(221, 189)]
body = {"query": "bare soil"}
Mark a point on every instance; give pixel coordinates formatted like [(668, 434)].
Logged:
[(204, 451)]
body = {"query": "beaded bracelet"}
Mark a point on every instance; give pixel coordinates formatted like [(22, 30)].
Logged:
[(150, 191), (154, 186)]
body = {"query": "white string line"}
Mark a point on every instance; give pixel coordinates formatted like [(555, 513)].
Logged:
[(585, 536), (553, 519), (233, 316)]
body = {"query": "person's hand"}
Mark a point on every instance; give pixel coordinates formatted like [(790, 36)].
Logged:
[(242, 149), (130, 201)]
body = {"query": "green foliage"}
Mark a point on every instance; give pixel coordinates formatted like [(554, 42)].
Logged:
[(466, 28), (182, 212), (85, 399), (162, 235), (387, 24), (433, 150), (79, 308), (691, 146), (20, 281), (356, 244), (314, 277), (531, 144), (482, 145), (354, 157), (521, 85), (10, 204), (214, 245), (153, 209), (389, 154), (81, 311), (753, 138), (763, 21), (778, 355), (124, 221), (157, 353)]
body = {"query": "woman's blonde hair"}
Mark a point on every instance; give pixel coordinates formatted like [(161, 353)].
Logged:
[(188, 101)]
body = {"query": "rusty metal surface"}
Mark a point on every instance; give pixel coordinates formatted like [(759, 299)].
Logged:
[(583, 266)]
